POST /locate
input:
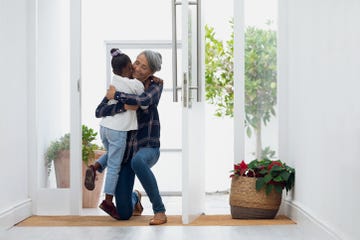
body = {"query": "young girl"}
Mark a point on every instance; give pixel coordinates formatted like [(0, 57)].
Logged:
[(113, 131)]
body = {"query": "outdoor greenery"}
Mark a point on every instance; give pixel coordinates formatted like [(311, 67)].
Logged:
[(260, 79)]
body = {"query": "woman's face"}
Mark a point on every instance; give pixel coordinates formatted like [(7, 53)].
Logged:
[(141, 67)]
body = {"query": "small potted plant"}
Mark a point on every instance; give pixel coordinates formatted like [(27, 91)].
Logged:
[(59, 153), (256, 188)]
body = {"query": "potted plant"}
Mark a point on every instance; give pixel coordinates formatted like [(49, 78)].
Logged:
[(59, 153), (256, 188)]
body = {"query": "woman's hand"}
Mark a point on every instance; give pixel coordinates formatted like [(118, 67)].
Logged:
[(131, 107), (110, 94)]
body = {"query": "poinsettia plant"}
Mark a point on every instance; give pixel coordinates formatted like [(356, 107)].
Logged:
[(270, 174)]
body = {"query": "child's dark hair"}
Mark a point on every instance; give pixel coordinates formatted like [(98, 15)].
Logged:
[(119, 60)]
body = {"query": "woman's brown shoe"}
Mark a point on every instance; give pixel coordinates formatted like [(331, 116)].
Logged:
[(158, 219), (138, 209)]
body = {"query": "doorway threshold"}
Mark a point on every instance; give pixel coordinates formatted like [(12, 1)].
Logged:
[(216, 203)]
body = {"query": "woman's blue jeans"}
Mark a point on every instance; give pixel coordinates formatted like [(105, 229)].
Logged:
[(140, 165)]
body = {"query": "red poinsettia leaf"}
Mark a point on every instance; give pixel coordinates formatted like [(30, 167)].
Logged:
[(243, 165), (274, 163)]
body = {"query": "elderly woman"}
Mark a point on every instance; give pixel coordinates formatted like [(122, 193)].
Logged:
[(143, 145)]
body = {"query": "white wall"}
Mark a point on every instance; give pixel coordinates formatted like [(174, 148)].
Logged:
[(32, 79), (14, 201), (320, 114)]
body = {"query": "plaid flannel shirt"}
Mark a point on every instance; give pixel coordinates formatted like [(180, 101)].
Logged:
[(148, 133)]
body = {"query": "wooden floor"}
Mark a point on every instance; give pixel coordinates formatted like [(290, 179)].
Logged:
[(203, 220)]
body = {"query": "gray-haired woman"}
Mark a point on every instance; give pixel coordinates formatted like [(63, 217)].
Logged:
[(143, 145)]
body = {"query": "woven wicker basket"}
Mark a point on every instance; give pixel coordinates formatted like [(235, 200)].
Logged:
[(247, 203)]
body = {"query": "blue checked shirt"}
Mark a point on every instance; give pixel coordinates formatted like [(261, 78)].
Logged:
[(148, 133)]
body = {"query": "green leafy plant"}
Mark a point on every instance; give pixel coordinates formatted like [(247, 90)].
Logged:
[(63, 143), (88, 148), (271, 174), (260, 79)]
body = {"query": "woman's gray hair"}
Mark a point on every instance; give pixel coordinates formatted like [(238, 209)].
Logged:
[(154, 60)]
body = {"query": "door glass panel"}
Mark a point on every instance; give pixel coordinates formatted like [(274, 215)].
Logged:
[(53, 94), (219, 96), (261, 125)]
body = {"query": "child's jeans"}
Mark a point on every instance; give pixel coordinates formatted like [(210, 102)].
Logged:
[(115, 144)]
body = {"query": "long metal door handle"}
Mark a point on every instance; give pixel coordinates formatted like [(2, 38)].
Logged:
[(185, 91), (198, 86), (174, 51), (198, 51)]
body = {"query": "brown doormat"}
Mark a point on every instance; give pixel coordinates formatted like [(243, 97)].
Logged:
[(173, 220)]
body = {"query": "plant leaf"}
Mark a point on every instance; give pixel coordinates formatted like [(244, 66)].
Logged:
[(278, 188), (285, 175), (269, 188), (263, 171), (268, 178), (259, 184), (278, 179)]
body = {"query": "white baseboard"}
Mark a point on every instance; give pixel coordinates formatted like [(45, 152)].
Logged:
[(308, 222), (15, 214)]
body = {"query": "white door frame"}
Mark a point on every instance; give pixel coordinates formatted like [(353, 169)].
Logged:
[(75, 101), (56, 201)]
